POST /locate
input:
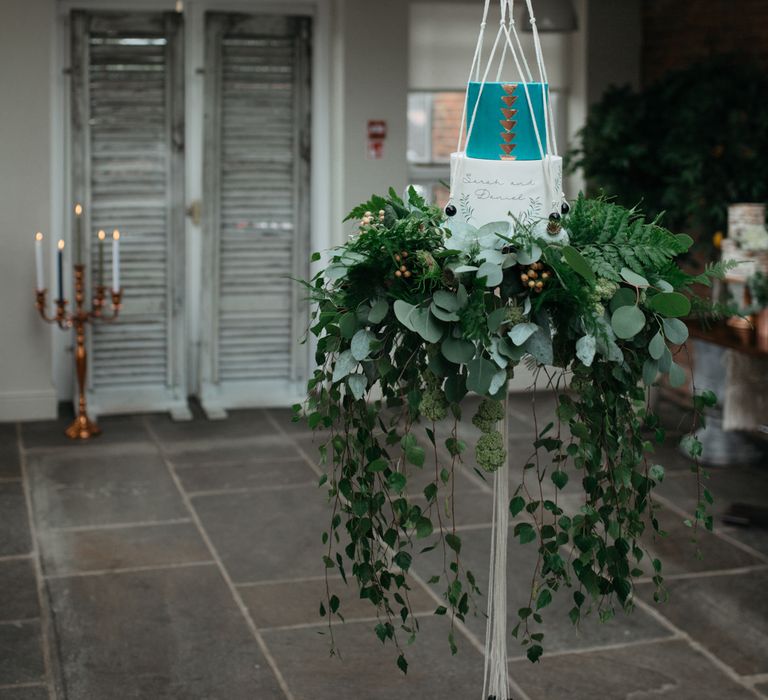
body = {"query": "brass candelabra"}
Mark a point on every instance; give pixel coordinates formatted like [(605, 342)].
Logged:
[(82, 428)]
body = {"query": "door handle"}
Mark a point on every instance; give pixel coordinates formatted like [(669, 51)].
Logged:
[(195, 211)]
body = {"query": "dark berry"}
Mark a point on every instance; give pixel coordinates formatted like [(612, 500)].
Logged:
[(565, 208), (554, 216), (450, 210)]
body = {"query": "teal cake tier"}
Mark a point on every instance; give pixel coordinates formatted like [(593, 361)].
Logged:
[(503, 127)]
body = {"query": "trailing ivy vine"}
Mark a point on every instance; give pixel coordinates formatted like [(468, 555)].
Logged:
[(411, 315)]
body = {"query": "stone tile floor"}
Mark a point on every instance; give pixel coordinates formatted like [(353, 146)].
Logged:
[(182, 560)]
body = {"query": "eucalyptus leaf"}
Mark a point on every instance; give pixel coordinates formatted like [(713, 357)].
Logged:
[(670, 304), (480, 373), (465, 268), (656, 346), (650, 372), (633, 278), (361, 344), (627, 322), (443, 315), (345, 364), (585, 349), (446, 300), (675, 330), (404, 313), (677, 376), (357, 384), (539, 346), (495, 354), (623, 297), (529, 255), (457, 350), (379, 310), (665, 361), (455, 388), (498, 381), (492, 273), (348, 324), (495, 319), (520, 332)]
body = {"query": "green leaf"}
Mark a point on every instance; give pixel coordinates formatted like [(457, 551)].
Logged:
[(402, 664), (361, 344), (457, 350), (492, 273), (627, 322), (544, 599), (455, 388), (670, 304), (516, 505), (348, 324), (357, 385), (675, 330), (404, 313), (345, 364), (534, 653), (443, 315), (539, 346), (525, 532), (677, 376), (453, 541), (633, 278), (424, 527), (579, 264), (446, 300), (379, 310), (397, 482), (623, 297), (496, 318), (480, 372), (520, 332), (656, 346), (585, 349), (560, 479), (403, 560), (650, 372), (377, 465)]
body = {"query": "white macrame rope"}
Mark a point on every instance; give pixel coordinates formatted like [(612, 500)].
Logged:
[(495, 674)]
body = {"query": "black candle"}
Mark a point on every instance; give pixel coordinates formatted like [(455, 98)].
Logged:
[(61, 269)]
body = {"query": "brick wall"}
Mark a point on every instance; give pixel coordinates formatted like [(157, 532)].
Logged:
[(677, 33), (446, 117)]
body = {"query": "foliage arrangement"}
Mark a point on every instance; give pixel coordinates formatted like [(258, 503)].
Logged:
[(414, 312), (657, 147)]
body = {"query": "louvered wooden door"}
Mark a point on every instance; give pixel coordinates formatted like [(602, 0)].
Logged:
[(256, 202), (127, 155)]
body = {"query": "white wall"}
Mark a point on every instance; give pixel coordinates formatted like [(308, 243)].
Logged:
[(26, 38), (371, 79)]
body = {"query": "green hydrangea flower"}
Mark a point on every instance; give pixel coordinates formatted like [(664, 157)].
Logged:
[(514, 315), (489, 413), (433, 405), (605, 289), (490, 452)]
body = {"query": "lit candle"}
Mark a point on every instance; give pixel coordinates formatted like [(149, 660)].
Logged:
[(39, 261), (116, 261), (61, 269), (102, 236), (79, 231)]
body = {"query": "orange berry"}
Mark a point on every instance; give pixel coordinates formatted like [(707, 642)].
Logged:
[(398, 273)]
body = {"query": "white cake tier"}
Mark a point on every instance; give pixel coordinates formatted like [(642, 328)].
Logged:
[(495, 190)]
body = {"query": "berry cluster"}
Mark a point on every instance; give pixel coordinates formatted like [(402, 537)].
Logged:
[(402, 271), (535, 277)]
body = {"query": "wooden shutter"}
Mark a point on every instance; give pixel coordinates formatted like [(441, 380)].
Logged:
[(127, 120), (256, 201)]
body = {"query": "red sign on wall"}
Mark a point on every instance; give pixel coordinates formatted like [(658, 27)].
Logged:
[(377, 134)]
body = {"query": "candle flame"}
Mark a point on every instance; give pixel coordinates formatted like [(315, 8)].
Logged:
[(102, 235), (61, 245), (78, 209), (116, 235), (38, 236)]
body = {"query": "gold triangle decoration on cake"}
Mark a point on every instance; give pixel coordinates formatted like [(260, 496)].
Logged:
[(508, 136)]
